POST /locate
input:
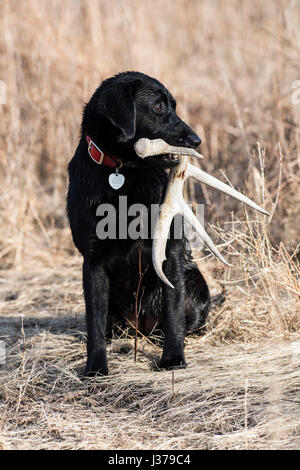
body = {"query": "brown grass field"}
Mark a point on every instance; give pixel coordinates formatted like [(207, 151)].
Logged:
[(231, 65)]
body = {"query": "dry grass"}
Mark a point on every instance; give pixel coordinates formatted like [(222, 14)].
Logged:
[(246, 397), (231, 66)]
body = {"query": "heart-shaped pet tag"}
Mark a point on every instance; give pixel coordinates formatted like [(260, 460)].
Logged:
[(116, 180)]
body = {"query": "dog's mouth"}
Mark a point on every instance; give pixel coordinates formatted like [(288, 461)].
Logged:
[(167, 160)]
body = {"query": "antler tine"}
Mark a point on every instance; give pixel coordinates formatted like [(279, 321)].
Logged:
[(194, 222), (217, 184), (160, 243)]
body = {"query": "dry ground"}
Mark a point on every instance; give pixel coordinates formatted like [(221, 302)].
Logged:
[(231, 65), (241, 389)]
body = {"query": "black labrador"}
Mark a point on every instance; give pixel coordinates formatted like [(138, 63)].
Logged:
[(123, 109)]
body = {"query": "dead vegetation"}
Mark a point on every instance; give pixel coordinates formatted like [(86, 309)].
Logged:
[(231, 66), (247, 397)]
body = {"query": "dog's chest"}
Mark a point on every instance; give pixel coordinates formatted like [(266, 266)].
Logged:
[(127, 268)]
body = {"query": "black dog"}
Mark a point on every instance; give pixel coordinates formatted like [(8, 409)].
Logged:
[(123, 109)]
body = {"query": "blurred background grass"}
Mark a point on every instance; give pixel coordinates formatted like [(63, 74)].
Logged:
[(230, 65)]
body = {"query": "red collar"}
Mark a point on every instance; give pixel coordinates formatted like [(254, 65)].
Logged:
[(100, 157)]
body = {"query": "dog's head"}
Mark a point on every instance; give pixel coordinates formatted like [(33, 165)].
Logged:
[(130, 106)]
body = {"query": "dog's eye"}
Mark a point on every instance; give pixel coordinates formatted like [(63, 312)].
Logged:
[(159, 107)]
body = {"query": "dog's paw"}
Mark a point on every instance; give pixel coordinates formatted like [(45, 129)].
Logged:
[(171, 363), (95, 372), (96, 366)]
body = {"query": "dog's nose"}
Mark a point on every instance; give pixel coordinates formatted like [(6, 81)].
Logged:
[(192, 140)]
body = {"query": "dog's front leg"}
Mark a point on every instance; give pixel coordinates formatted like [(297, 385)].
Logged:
[(96, 294), (173, 311)]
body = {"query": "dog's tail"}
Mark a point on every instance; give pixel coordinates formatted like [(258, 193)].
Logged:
[(197, 303), (198, 300), (219, 299)]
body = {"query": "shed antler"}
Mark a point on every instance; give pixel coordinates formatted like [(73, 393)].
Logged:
[(174, 203)]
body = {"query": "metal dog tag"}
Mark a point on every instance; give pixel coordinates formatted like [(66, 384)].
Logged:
[(116, 180)]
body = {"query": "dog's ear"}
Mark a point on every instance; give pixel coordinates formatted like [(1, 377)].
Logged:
[(117, 105)]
